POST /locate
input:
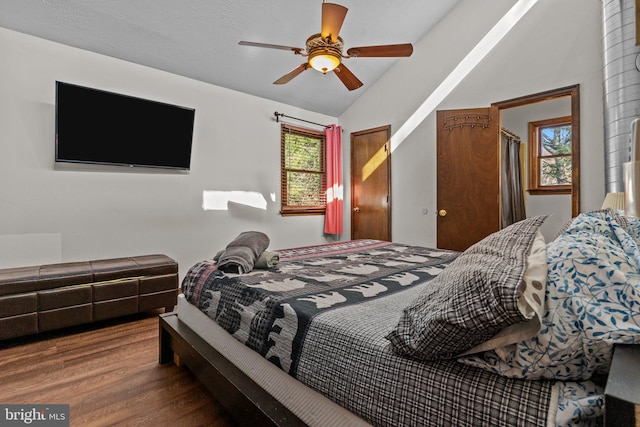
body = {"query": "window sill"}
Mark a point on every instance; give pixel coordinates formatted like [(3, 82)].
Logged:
[(546, 191), (302, 211)]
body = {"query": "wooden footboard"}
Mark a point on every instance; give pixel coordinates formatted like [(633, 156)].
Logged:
[(246, 401)]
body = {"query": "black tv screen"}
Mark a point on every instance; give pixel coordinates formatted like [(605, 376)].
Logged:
[(100, 127)]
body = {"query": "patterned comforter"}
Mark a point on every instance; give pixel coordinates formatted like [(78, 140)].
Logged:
[(322, 314)]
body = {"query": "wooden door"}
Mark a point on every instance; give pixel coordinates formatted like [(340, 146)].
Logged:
[(468, 176), (371, 184)]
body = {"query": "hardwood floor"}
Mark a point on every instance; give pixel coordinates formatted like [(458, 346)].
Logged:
[(109, 375)]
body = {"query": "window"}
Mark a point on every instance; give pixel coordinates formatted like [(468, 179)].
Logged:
[(550, 159), (302, 179)]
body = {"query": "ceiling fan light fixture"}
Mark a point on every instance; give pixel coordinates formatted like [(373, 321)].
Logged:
[(324, 61), (324, 49)]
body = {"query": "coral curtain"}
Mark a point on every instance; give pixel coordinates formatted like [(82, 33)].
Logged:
[(333, 215), (513, 205)]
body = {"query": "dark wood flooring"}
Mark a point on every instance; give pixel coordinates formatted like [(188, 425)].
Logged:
[(109, 375)]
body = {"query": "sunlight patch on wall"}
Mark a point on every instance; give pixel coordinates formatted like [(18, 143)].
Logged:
[(219, 200), (484, 46), (374, 162), (334, 192)]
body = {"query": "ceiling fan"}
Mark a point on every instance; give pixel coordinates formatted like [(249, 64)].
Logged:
[(324, 50)]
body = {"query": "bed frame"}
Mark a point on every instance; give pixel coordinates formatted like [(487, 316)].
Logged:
[(246, 401), (249, 404)]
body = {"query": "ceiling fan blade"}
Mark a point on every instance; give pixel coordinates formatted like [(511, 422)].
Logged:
[(332, 19), (271, 46), (389, 50), (291, 74), (347, 77)]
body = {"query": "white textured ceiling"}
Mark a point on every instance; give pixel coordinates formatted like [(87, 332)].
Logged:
[(199, 39)]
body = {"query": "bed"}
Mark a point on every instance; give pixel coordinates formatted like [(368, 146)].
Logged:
[(513, 331)]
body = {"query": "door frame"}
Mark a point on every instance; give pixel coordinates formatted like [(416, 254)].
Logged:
[(574, 92)]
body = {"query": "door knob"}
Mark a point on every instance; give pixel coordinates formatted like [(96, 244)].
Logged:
[(356, 209), (442, 212)]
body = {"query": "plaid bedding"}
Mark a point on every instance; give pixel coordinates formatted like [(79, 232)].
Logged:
[(322, 314)]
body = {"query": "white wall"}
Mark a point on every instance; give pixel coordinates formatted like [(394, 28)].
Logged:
[(556, 44), (50, 213), (69, 214)]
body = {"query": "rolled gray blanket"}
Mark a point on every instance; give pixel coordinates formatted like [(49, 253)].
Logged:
[(267, 259), (242, 253)]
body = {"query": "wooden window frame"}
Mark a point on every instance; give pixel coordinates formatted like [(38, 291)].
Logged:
[(534, 157), (285, 209)]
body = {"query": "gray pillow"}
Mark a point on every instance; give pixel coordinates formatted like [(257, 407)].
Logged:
[(473, 299)]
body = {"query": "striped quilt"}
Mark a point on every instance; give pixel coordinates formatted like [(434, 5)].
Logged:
[(322, 315)]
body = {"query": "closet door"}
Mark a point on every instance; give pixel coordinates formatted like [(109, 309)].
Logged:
[(371, 184), (468, 176)]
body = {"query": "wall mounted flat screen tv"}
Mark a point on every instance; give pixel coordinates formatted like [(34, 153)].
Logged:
[(100, 127)]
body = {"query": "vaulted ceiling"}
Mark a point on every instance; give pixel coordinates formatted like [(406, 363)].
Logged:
[(199, 39)]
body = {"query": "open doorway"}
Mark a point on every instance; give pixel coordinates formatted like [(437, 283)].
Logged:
[(459, 132)]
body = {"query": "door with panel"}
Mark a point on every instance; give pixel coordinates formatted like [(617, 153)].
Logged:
[(468, 176), (371, 184)]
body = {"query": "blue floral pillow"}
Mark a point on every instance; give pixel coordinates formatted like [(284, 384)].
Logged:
[(592, 302)]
